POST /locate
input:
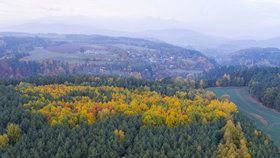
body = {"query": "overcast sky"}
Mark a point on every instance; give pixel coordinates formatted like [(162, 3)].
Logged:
[(229, 18)]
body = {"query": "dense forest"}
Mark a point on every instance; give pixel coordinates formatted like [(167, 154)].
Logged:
[(91, 116), (263, 82)]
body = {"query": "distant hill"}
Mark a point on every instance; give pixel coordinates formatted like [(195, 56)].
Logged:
[(236, 45), (212, 46), (176, 34), (256, 57), (180, 37), (185, 37), (95, 54)]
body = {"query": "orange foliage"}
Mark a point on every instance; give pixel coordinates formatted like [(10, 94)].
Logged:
[(155, 108)]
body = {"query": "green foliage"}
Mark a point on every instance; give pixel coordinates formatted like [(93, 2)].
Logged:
[(263, 82), (39, 139), (258, 144), (265, 85), (166, 86), (264, 118)]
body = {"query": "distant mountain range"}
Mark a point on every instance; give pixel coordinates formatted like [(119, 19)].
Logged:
[(209, 45), (184, 37), (213, 46), (244, 44)]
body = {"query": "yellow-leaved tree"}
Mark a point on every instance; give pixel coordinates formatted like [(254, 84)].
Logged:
[(234, 145), (120, 134)]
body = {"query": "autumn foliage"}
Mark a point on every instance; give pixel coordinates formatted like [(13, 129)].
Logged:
[(74, 105)]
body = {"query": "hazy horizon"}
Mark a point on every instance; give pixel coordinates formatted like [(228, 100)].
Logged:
[(239, 19)]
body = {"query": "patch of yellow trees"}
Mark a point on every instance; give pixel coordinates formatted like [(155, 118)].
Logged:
[(156, 109)]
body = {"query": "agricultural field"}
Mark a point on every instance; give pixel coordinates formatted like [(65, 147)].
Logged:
[(65, 54), (266, 119)]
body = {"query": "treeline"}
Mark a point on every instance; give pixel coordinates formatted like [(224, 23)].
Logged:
[(168, 86), (263, 82), (265, 85), (16, 68), (120, 136), (227, 76)]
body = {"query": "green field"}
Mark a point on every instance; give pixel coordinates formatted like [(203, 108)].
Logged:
[(266, 119)]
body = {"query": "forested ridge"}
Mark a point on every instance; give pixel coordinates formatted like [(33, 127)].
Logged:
[(118, 117), (256, 57)]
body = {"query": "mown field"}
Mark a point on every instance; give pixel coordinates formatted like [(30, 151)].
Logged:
[(266, 119)]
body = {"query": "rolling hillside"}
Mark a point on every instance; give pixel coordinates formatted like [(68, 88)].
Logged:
[(94, 54)]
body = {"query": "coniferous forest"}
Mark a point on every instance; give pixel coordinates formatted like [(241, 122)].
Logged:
[(92, 116)]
